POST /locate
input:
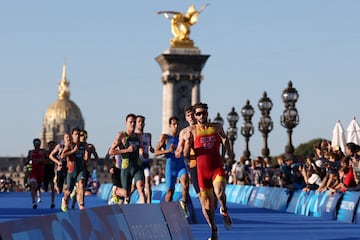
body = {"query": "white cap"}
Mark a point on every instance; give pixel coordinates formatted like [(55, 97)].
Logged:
[(318, 163)]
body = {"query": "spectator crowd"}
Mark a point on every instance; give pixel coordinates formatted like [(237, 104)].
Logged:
[(327, 168)]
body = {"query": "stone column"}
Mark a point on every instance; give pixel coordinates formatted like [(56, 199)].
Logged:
[(181, 77)]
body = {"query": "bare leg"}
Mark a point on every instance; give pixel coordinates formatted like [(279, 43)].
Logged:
[(141, 191), (80, 189), (219, 190), (33, 189), (185, 186), (169, 195), (207, 201), (148, 189)]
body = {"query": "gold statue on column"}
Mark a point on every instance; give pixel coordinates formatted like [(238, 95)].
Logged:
[(180, 25)]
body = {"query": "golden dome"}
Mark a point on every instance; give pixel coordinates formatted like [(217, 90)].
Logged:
[(63, 109), (62, 116)]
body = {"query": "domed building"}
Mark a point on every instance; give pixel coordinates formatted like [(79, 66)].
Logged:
[(62, 116)]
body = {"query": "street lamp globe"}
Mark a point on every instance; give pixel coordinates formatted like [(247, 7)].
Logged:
[(247, 111), (290, 95), (247, 128), (290, 116), (265, 104), (219, 120), (265, 124), (232, 118)]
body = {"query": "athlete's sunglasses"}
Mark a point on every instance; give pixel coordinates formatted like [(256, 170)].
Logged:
[(201, 113)]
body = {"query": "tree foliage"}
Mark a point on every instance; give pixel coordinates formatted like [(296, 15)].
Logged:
[(306, 148)]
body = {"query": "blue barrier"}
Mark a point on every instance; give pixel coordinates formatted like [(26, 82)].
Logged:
[(331, 206), (272, 198), (341, 207), (316, 205), (348, 206), (105, 191), (131, 221), (357, 214)]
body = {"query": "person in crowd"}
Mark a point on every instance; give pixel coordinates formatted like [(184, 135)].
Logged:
[(175, 168), (36, 158), (351, 150), (346, 180), (128, 144), (285, 169), (268, 172), (258, 171), (297, 178), (238, 171), (206, 138), (314, 177), (145, 158), (76, 154)]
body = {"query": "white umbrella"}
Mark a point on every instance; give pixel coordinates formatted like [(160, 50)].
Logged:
[(338, 137), (353, 132)]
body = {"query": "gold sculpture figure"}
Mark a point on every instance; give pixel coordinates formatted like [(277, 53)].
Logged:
[(181, 23)]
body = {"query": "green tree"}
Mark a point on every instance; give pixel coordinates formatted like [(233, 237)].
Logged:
[(305, 149)]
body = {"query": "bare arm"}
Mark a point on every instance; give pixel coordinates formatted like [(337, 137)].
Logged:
[(180, 146), (151, 149), (116, 149), (160, 147), (188, 141), (53, 153), (141, 146), (68, 151), (225, 142)]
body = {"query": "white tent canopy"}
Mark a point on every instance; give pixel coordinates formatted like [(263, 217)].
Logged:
[(353, 132), (338, 137)]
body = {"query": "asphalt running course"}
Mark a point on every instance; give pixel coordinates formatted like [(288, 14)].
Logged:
[(248, 222)]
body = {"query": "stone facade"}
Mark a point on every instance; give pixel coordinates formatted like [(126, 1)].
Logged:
[(181, 77)]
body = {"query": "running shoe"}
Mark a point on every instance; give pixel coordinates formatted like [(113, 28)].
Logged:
[(184, 208), (34, 205), (52, 205), (64, 206), (227, 218), (114, 200), (73, 193)]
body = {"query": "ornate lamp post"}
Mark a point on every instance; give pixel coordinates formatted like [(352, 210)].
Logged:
[(247, 128), (231, 132), (218, 119), (266, 125), (290, 117)]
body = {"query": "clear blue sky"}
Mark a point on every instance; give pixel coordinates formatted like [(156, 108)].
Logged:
[(109, 48)]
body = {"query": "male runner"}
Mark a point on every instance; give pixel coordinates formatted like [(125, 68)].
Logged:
[(146, 141), (206, 138), (175, 167), (129, 145), (36, 158), (76, 155)]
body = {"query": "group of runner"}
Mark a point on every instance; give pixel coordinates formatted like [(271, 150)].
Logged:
[(71, 157), (199, 145), (203, 145)]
